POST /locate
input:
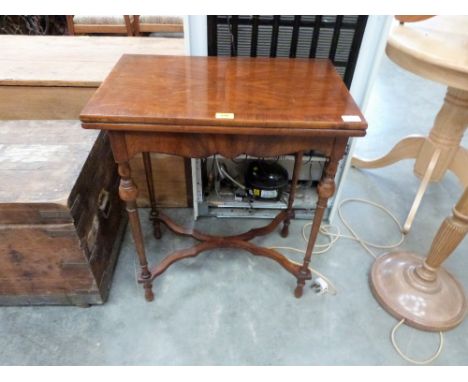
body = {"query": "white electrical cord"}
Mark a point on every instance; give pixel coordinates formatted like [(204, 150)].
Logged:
[(424, 362), (334, 236), (326, 230)]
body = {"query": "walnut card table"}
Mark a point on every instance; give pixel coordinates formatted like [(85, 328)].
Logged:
[(201, 106)]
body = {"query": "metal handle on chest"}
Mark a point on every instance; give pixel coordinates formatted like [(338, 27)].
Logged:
[(104, 203)]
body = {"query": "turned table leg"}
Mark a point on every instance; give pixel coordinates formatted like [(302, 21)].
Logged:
[(152, 196), (421, 291), (128, 193), (325, 189), (292, 193)]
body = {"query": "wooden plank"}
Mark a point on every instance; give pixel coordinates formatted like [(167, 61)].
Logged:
[(35, 68), (169, 180), (72, 60), (42, 102), (168, 28)]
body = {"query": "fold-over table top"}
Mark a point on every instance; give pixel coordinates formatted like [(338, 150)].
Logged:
[(181, 93)]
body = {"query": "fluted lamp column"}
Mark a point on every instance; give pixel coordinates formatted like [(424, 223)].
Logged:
[(420, 290)]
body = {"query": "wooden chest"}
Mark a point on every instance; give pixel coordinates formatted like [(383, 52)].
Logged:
[(61, 220)]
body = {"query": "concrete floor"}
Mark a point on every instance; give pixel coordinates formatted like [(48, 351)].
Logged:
[(227, 307)]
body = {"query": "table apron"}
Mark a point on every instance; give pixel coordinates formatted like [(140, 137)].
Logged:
[(126, 145)]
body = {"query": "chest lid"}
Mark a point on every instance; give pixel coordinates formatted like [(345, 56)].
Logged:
[(40, 162)]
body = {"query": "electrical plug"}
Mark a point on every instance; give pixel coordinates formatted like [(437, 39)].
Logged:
[(319, 285)]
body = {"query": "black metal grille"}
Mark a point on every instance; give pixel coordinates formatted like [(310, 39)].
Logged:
[(335, 37)]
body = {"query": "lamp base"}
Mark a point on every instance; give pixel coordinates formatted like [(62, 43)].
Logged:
[(436, 305)]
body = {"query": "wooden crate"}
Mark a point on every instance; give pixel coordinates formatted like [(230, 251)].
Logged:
[(61, 220)]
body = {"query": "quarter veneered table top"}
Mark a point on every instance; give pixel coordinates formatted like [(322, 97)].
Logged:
[(223, 91)]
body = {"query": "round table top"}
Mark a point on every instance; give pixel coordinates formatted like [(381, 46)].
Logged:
[(436, 48)]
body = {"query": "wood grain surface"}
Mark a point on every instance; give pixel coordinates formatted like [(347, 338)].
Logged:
[(40, 162), (72, 60), (169, 180), (42, 102), (250, 92)]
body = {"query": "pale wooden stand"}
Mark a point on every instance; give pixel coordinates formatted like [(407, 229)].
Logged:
[(433, 49)]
